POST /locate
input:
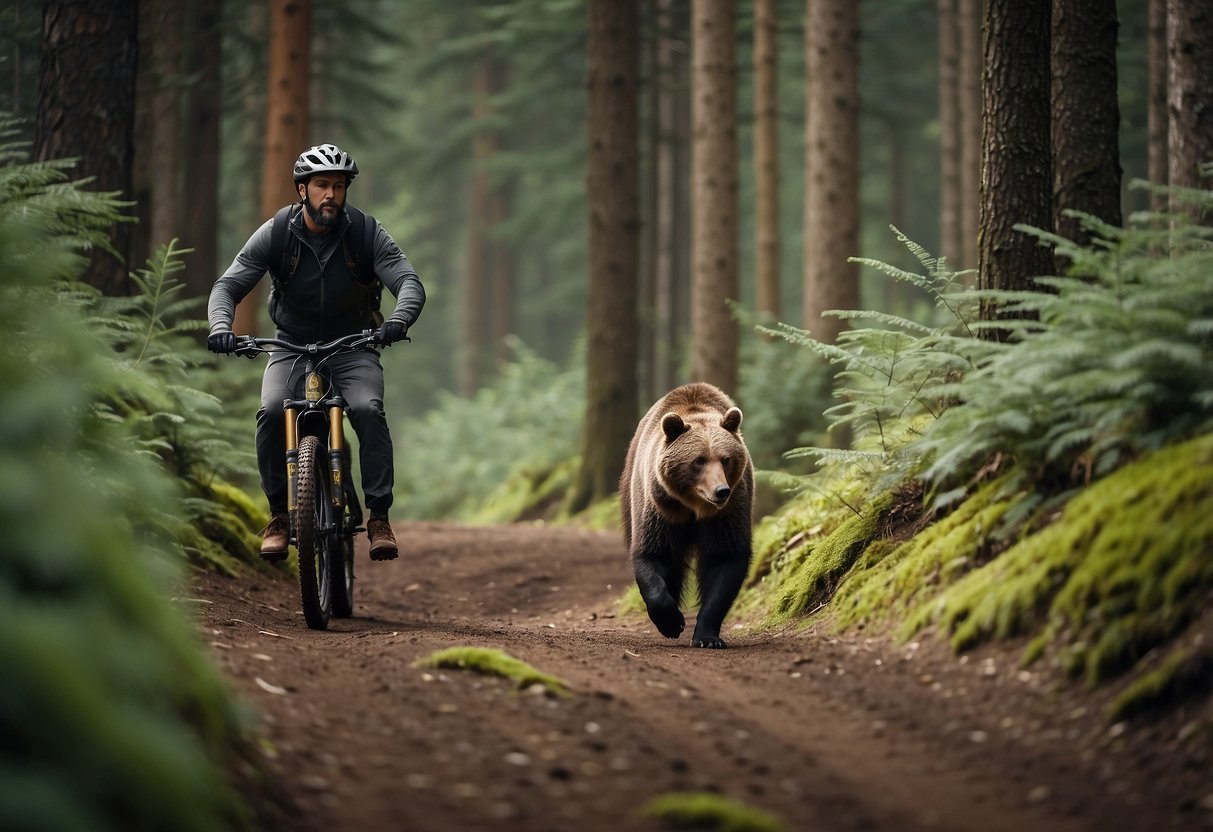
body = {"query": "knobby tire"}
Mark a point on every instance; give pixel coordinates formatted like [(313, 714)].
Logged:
[(312, 507), (342, 561)]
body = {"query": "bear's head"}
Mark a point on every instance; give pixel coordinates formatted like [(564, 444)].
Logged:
[(703, 458)]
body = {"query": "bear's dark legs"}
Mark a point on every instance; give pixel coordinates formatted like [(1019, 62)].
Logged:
[(660, 569), (724, 559)]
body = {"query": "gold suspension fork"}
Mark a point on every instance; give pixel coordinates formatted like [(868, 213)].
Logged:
[(292, 453), (337, 454)]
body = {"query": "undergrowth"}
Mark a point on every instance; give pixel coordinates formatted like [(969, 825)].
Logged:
[(496, 455), (111, 713), (1065, 469)]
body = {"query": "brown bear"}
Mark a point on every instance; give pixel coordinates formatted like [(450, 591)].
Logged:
[(687, 487)]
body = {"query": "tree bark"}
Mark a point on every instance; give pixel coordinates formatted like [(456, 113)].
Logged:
[(1016, 171), (614, 247), (501, 260), (1189, 93), (1156, 102), (766, 159), (287, 123), (86, 109), (204, 105), (969, 24), (680, 201), (831, 165), (949, 131), (1086, 115), (476, 288), (714, 183), (159, 129)]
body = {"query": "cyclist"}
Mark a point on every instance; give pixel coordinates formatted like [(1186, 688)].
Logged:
[(322, 299)]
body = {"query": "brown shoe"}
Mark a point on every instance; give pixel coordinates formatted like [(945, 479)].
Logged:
[(383, 542), (274, 539)]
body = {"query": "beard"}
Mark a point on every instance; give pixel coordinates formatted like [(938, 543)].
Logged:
[(318, 215)]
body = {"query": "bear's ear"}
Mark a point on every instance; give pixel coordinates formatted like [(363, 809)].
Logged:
[(732, 420), (672, 426)]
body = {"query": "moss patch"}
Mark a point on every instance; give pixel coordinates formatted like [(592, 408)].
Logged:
[(890, 579), (1181, 676), (806, 577), (493, 662), (706, 810), (529, 494), (1121, 571)]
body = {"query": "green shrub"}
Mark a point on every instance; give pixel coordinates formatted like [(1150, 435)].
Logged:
[(451, 460), (111, 714)]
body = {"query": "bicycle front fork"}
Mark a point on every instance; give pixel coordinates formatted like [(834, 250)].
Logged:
[(337, 450)]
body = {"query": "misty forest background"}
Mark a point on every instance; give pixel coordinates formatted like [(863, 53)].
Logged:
[(477, 139), (1003, 202)]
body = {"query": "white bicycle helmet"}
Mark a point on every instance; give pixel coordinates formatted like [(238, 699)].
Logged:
[(324, 158)]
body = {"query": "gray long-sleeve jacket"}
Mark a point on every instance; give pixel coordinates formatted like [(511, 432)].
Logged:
[(322, 300)]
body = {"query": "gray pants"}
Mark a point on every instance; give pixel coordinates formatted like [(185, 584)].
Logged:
[(358, 377)]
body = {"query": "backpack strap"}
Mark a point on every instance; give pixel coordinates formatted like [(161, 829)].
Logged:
[(359, 246), (283, 258)]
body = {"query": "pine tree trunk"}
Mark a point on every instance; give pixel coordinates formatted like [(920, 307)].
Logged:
[(969, 25), (665, 204), (86, 108), (159, 132), (654, 18), (203, 107), (1016, 172), (1086, 115), (680, 205), (287, 124), (501, 273), (1156, 101), (766, 158), (831, 165), (474, 344), (1189, 93), (949, 131), (714, 182), (614, 247)]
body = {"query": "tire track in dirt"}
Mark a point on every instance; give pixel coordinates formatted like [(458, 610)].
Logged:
[(829, 734)]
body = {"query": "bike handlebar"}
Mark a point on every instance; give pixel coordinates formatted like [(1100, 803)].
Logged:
[(250, 345)]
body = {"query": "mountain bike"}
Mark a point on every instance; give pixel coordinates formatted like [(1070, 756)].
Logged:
[(322, 504)]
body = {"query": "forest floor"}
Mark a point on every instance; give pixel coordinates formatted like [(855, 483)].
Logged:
[(825, 732)]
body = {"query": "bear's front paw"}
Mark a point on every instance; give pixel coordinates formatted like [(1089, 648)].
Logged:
[(713, 642), (668, 619)]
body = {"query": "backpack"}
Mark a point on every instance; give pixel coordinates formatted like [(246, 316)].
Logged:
[(358, 246)]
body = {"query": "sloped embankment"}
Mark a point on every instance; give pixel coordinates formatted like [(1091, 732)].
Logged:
[(1114, 576)]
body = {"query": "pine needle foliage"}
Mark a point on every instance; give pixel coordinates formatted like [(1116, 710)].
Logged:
[(1115, 359), (1110, 360), (111, 714), (895, 376)]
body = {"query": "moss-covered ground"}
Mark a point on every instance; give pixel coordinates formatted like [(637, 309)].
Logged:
[(492, 662), (1121, 569), (707, 810)]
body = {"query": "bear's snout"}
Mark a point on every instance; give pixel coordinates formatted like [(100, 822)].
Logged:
[(722, 493)]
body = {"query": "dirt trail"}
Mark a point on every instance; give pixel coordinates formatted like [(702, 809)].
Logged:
[(827, 733)]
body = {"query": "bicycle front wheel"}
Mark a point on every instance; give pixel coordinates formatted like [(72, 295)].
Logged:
[(313, 510)]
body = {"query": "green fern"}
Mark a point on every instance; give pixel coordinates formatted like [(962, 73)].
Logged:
[(1107, 361), (113, 716)]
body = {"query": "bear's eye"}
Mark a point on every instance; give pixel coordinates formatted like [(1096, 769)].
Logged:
[(701, 461), (725, 461)]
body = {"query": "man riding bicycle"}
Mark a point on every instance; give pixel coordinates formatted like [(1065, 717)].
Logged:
[(325, 284)]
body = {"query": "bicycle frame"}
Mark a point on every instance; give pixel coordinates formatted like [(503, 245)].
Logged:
[(324, 521)]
